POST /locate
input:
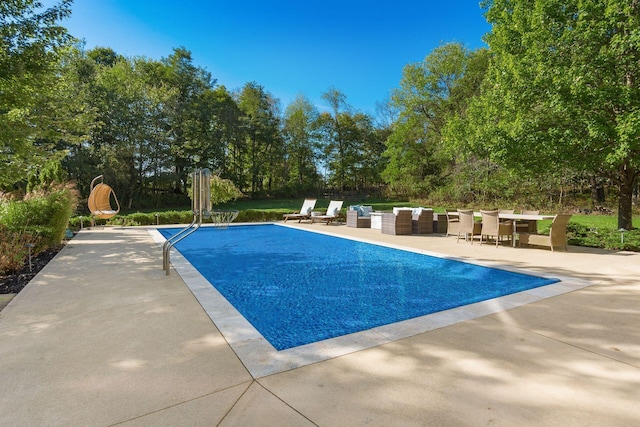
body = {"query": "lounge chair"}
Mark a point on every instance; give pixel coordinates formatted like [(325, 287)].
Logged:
[(99, 201), (467, 225), (397, 223), (359, 216), (492, 226), (305, 211), (557, 235), (333, 212)]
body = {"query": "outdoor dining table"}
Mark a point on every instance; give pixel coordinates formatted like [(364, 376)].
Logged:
[(515, 218), (519, 217)]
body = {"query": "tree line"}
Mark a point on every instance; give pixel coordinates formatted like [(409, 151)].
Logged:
[(149, 123), (550, 108)]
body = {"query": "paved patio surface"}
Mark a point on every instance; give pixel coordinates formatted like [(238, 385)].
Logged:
[(103, 337)]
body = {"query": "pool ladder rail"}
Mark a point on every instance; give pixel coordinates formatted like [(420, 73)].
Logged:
[(201, 206), (171, 241)]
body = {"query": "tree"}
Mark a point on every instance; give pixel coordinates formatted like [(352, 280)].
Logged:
[(30, 43), (222, 190), (301, 141), (564, 88), (74, 115), (227, 134), (431, 94), (334, 143), (189, 113), (133, 141), (261, 128), (361, 151)]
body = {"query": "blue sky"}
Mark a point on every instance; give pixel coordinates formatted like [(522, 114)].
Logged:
[(289, 47)]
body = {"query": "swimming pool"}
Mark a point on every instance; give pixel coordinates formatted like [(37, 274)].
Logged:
[(297, 287)]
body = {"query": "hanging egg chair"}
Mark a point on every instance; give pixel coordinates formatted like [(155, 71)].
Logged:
[(100, 200)]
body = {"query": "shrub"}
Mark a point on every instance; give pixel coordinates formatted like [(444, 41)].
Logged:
[(606, 238), (252, 215), (139, 218), (175, 217), (45, 213), (14, 250)]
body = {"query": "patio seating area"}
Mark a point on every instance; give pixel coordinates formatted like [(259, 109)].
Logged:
[(103, 337), (497, 226)]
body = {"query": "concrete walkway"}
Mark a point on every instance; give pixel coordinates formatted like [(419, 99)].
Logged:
[(103, 337)]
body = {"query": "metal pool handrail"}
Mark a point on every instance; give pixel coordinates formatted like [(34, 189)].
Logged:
[(201, 206)]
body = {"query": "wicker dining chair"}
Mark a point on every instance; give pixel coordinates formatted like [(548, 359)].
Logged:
[(453, 222), (493, 227), (526, 226), (467, 225)]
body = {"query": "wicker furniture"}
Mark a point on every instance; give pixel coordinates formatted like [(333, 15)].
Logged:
[(527, 226), (467, 226), (453, 222), (422, 221), (99, 201), (492, 226), (359, 216), (397, 224), (557, 235)]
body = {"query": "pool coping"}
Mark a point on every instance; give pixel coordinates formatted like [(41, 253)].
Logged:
[(261, 359)]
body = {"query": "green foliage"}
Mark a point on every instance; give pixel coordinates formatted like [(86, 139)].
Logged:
[(350, 146), (50, 174), (264, 145), (44, 214), (223, 190), (433, 93), (40, 219), (256, 215), (302, 145), (29, 85), (562, 91), (148, 218), (604, 237), (14, 250), (554, 98)]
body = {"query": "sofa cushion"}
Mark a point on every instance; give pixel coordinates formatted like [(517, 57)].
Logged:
[(396, 210)]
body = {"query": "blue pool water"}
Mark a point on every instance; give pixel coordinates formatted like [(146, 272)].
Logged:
[(297, 287)]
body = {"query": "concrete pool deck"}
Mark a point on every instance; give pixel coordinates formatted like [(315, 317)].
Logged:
[(103, 337)]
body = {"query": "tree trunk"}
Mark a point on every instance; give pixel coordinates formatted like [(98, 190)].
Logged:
[(625, 198), (597, 192)]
